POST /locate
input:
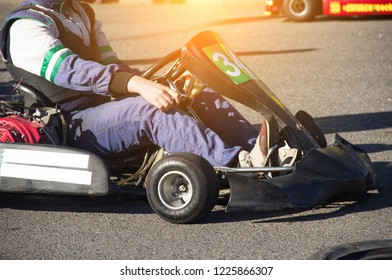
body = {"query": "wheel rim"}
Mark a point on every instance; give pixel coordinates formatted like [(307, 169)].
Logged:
[(175, 190), (298, 7)]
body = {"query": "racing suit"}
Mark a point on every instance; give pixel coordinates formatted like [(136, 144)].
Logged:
[(59, 48)]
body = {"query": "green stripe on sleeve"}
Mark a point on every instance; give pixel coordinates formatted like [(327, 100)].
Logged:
[(108, 60), (106, 48), (58, 63), (48, 57)]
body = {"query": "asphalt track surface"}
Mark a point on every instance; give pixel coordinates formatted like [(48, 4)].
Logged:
[(337, 69)]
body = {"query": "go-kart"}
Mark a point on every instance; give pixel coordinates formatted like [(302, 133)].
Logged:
[(183, 187)]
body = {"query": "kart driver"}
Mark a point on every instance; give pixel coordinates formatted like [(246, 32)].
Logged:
[(59, 48)]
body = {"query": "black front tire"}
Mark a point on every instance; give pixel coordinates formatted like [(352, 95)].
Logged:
[(302, 10), (182, 188), (363, 250), (308, 122)]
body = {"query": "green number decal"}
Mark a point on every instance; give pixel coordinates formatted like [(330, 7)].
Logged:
[(228, 64)]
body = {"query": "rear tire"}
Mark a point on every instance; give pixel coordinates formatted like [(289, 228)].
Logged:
[(182, 188), (301, 10)]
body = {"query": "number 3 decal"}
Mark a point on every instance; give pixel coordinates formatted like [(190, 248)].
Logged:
[(233, 70), (228, 63)]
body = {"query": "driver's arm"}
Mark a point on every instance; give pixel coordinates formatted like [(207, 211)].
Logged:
[(50, 59)]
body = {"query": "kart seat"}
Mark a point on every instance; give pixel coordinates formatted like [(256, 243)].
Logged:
[(38, 97), (129, 162)]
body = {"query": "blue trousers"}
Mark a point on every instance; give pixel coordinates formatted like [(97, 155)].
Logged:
[(130, 124)]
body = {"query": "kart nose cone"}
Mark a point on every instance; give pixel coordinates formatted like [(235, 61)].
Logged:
[(320, 176)]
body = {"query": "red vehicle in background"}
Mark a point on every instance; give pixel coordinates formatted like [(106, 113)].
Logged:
[(304, 10)]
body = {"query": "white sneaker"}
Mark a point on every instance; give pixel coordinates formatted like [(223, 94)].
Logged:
[(244, 159), (287, 156), (258, 155)]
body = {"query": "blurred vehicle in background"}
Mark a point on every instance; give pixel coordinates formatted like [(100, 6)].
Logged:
[(304, 10)]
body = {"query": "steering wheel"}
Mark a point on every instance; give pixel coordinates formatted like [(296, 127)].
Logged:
[(175, 69)]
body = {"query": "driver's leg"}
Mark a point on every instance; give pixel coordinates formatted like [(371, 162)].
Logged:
[(127, 125), (219, 115)]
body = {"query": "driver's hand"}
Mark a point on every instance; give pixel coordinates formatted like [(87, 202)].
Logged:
[(156, 94)]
